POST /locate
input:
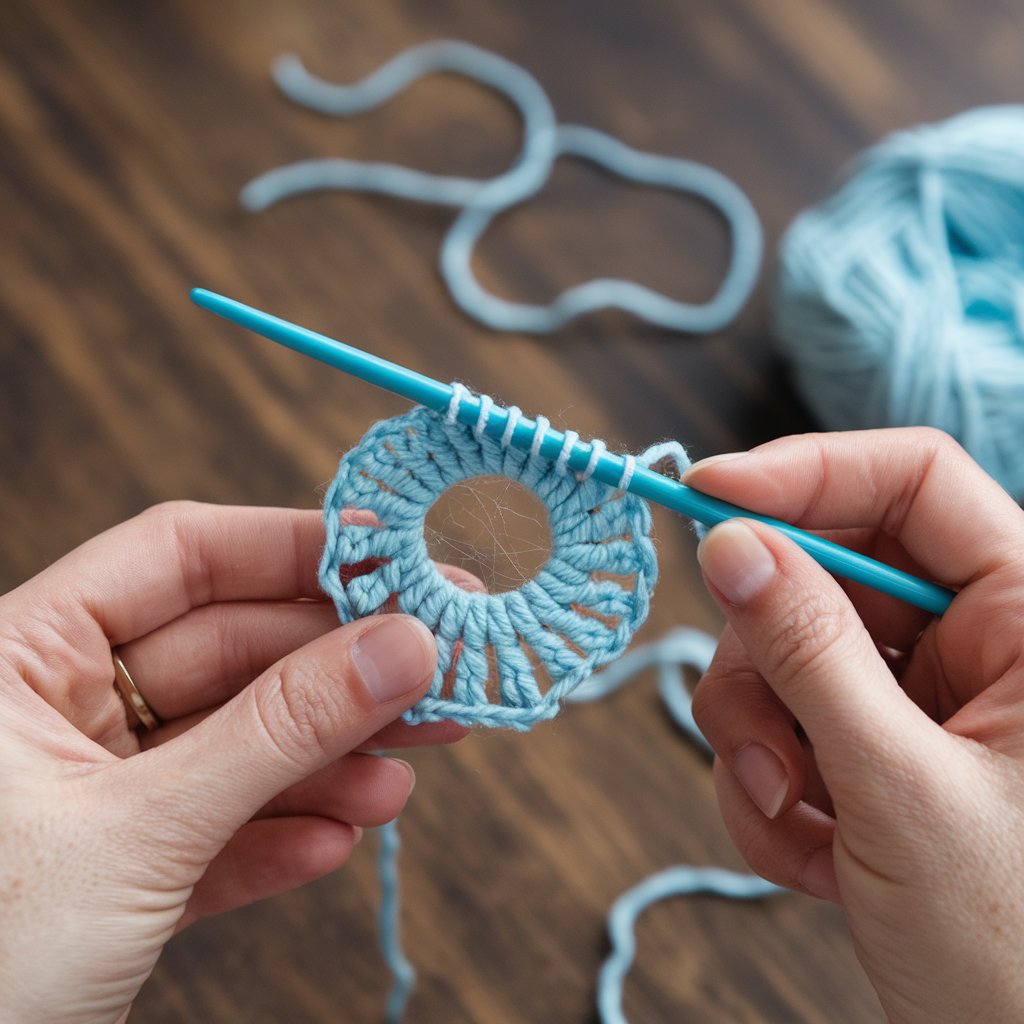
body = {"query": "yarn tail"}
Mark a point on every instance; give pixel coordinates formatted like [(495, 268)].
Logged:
[(682, 880), (402, 972)]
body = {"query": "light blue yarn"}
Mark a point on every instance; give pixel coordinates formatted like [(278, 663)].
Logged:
[(544, 141), (683, 647), (403, 974), (392, 78), (900, 298), (681, 880), (610, 293), (571, 619)]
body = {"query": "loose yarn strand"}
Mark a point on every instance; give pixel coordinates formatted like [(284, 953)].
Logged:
[(682, 880), (479, 201), (403, 974), (683, 647), (507, 79)]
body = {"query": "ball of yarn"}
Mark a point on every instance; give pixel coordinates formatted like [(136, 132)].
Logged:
[(900, 298)]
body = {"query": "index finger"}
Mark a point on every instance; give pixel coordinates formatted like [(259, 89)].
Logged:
[(915, 484), (183, 555)]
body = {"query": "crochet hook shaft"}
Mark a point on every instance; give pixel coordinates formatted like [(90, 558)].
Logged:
[(608, 468)]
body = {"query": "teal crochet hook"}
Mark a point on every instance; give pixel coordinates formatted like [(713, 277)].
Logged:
[(608, 468)]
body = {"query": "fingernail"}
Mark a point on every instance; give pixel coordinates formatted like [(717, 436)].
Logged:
[(763, 776), (357, 834), (393, 657), (712, 460), (819, 875), (409, 768), (735, 562)]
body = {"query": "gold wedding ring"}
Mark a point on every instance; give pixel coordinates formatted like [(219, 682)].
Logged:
[(134, 703)]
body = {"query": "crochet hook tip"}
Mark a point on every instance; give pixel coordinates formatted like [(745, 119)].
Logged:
[(209, 300), (354, 361)]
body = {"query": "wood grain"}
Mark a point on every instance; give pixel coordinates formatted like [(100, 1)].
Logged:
[(128, 130)]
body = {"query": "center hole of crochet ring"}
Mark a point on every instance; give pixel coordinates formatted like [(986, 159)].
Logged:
[(493, 527)]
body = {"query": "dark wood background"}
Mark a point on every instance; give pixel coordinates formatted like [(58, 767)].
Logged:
[(126, 131)]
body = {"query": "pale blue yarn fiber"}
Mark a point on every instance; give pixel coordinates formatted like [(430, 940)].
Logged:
[(575, 615), (900, 299), (681, 880), (403, 974), (683, 647), (479, 201), (680, 649)]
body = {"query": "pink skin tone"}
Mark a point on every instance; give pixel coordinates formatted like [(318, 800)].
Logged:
[(901, 794), (260, 780)]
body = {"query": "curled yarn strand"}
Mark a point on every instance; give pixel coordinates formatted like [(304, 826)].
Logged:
[(479, 201), (512, 82), (681, 880), (680, 649), (683, 647)]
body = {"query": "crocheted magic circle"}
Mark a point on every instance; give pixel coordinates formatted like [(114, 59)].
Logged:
[(578, 613)]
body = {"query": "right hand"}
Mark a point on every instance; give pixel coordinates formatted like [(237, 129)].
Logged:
[(867, 752)]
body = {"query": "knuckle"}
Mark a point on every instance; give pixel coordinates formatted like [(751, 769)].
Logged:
[(705, 699), (715, 696), (750, 845), (184, 523), (810, 633), (295, 714), (711, 713), (712, 690), (241, 643), (934, 439), (170, 515), (720, 689)]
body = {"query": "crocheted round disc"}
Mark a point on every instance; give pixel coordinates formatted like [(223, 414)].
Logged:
[(579, 612)]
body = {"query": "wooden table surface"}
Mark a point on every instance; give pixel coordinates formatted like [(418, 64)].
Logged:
[(127, 132)]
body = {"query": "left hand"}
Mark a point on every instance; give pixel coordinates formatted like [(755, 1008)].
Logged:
[(258, 779)]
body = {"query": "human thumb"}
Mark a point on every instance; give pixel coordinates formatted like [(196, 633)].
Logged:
[(806, 640), (306, 711)]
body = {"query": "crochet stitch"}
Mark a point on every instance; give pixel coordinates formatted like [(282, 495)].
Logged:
[(578, 613)]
